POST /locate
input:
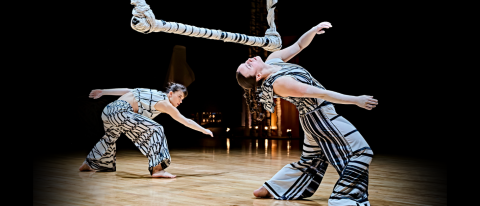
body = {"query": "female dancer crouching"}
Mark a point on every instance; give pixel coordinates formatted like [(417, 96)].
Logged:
[(329, 137), (132, 114)]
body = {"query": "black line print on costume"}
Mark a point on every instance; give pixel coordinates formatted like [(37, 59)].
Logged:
[(304, 105), (325, 143), (147, 135)]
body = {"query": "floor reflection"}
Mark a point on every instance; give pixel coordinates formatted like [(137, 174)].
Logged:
[(228, 145), (224, 171), (272, 147)]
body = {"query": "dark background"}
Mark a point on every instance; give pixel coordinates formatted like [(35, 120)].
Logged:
[(372, 49)]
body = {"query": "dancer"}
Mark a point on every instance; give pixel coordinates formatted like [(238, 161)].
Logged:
[(132, 114), (329, 137)]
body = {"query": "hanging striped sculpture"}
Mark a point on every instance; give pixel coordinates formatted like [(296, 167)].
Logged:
[(144, 21)]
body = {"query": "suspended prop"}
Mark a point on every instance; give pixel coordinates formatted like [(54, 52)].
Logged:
[(144, 21)]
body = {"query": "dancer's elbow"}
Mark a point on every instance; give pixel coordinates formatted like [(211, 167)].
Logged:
[(313, 92), (190, 122)]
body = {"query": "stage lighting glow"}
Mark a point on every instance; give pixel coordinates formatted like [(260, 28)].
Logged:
[(228, 145), (288, 148), (228, 129), (266, 147)]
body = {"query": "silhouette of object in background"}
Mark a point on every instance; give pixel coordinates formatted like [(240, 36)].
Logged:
[(179, 71)]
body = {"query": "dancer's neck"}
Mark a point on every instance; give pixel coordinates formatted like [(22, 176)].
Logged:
[(269, 70)]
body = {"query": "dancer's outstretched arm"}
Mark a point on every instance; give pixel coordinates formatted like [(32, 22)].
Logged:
[(166, 107), (97, 93), (289, 52), (289, 87)]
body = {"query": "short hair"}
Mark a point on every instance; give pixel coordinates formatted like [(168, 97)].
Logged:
[(173, 87)]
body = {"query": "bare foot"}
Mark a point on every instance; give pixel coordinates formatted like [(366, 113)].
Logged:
[(262, 192), (85, 167), (163, 173)]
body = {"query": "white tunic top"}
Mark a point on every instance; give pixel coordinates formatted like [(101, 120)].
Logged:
[(303, 104), (147, 98)]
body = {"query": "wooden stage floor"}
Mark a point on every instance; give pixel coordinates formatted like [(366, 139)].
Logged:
[(224, 175)]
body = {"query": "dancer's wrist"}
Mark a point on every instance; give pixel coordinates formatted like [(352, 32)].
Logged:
[(357, 100)]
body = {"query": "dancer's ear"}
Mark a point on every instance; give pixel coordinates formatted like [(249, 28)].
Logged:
[(170, 94), (258, 76)]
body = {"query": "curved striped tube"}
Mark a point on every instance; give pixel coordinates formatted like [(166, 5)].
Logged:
[(144, 21)]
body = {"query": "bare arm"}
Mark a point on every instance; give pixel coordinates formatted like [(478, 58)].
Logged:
[(166, 107), (97, 93), (289, 87), (289, 52)]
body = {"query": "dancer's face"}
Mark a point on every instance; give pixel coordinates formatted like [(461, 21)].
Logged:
[(251, 67), (175, 98)]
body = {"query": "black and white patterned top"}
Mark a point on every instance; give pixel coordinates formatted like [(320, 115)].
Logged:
[(304, 105), (147, 98)]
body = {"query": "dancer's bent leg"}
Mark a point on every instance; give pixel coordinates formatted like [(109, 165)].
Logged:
[(352, 186), (149, 137), (298, 179), (103, 155), (329, 138)]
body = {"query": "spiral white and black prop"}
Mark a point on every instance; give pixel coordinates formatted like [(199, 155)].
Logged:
[(144, 21)]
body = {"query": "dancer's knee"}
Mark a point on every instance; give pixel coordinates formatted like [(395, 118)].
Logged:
[(364, 155)]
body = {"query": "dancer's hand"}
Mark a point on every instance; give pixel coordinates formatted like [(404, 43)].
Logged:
[(366, 102), (323, 25), (96, 93), (207, 132)]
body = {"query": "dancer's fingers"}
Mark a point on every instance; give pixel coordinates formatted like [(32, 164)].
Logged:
[(326, 23)]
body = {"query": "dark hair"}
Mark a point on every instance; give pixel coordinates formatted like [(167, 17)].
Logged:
[(246, 82), (173, 87), (252, 94)]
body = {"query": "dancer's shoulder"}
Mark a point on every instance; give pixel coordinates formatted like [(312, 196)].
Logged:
[(274, 60)]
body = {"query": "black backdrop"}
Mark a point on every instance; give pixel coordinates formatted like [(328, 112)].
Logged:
[(368, 51)]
